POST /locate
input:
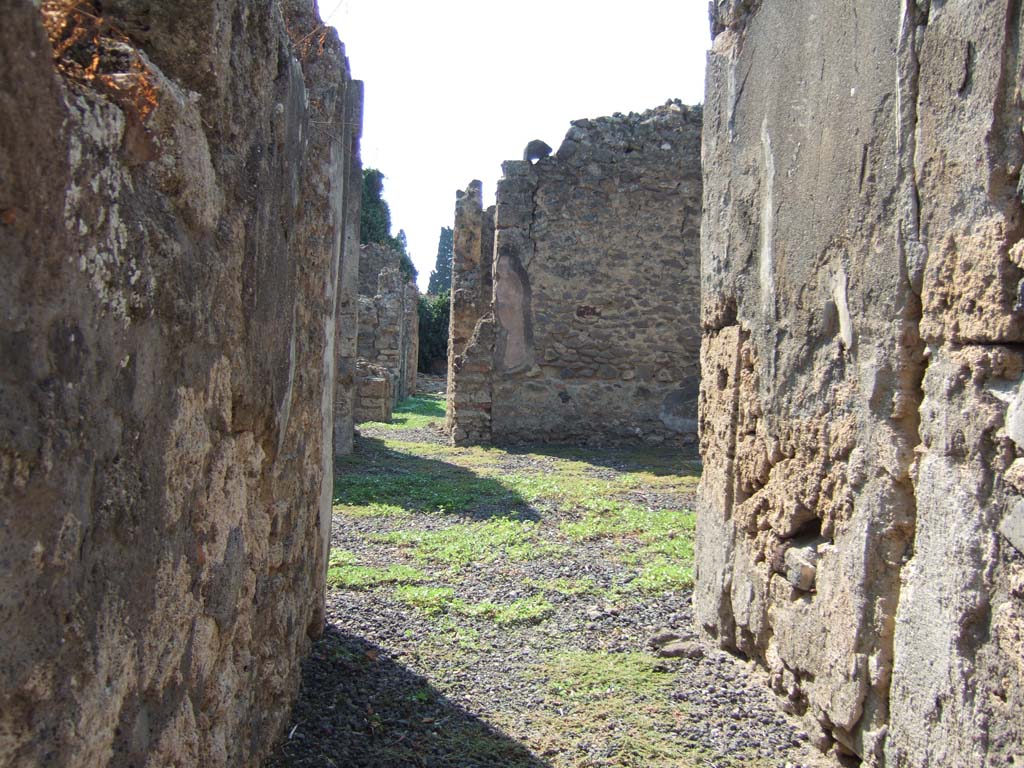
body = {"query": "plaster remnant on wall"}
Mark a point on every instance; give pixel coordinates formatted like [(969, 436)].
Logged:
[(766, 268), (842, 307)]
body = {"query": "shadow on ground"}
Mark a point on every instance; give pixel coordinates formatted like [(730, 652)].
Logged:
[(359, 709), (657, 460), (376, 474)]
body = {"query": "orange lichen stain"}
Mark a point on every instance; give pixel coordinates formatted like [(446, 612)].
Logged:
[(85, 48)]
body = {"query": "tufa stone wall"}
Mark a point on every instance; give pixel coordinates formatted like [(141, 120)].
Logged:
[(375, 397), (346, 339), (468, 402), (388, 326), (596, 281), (170, 223), (861, 509)]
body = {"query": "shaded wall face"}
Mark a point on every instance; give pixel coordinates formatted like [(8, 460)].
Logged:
[(860, 270), (388, 319), (597, 284), (468, 403), (346, 337), (167, 379)]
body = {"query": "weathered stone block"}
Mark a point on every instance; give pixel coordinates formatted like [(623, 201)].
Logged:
[(171, 235)]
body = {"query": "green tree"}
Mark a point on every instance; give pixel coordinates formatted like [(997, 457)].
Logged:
[(434, 314), (441, 276), (375, 220)]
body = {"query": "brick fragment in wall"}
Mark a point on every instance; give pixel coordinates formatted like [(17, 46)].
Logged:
[(168, 376), (594, 301), (862, 371)]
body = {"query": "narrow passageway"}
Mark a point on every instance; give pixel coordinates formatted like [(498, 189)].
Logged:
[(523, 607)]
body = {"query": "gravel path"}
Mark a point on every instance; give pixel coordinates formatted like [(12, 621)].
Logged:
[(390, 684)]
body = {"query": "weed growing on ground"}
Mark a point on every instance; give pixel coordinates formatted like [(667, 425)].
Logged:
[(567, 587), (423, 486), (430, 600), (374, 509), (462, 544), (341, 557), (527, 610), (415, 413), (663, 575), (437, 600), (364, 577), (590, 694), (608, 518)]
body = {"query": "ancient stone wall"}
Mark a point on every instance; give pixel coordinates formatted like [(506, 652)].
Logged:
[(596, 284), (388, 323), (468, 402), (172, 201), (859, 530), (375, 396), (348, 281)]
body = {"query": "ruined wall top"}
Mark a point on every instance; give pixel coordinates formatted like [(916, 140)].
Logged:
[(612, 139), (374, 258)]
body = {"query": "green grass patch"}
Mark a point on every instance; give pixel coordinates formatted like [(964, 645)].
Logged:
[(663, 575), (567, 587), (373, 509), (424, 488), (430, 600), (586, 675), (606, 518), (527, 610), (612, 704), (462, 544), (439, 600), (365, 577), (340, 557), (416, 412)]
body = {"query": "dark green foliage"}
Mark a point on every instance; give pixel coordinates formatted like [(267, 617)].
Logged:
[(434, 314), (407, 267), (375, 220), (441, 276)]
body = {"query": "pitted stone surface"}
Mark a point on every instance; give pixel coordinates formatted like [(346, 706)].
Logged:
[(171, 232), (860, 279)]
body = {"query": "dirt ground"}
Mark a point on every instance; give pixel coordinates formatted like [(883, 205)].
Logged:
[(521, 608)]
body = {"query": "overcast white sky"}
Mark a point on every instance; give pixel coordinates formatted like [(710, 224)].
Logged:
[(455, 87)]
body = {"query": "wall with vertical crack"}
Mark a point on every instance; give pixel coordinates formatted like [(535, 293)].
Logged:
[(173, 197), (468, 401), (595, 307), (860, 522)]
